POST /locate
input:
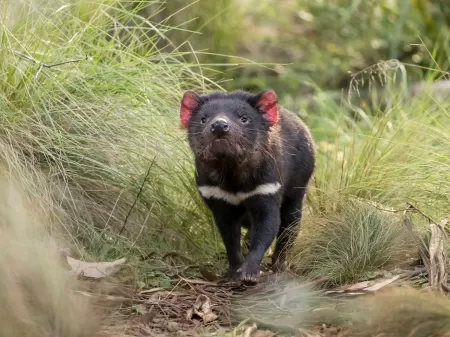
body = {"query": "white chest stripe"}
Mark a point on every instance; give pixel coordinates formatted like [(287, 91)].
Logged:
[(236, 198)]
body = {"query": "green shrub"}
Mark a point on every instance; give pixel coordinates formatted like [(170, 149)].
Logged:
[(391, 158)]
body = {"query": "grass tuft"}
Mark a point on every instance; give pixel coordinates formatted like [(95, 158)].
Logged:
[(348, 245)]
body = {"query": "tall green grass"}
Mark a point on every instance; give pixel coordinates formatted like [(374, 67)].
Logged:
[(202, 28), (399, 155), (372, 161), (103, 127)]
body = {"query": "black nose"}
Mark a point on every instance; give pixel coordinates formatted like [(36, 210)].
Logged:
[(220, 127)]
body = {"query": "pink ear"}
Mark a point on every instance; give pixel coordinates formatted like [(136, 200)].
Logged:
[(268, 105), (189, 103)]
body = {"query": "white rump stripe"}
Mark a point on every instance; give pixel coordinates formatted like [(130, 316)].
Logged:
[(236, 198)]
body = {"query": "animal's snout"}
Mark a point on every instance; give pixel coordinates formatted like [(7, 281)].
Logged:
[(220, 127)]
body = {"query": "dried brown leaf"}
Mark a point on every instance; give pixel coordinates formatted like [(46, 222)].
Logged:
[(356, 286), (94, 270), (202, 309), (382, 284)]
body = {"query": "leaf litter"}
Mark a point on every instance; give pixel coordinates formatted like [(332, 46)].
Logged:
[(202, 309), (193, 307), (94, 270)]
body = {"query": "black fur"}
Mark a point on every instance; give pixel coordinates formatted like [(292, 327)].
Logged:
[(252, 153)]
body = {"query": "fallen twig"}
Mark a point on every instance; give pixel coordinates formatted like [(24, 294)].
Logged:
[(274, 327), (201, 282), (435, 260), (412, 273)]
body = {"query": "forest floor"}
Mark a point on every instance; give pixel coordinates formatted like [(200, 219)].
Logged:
[(273, 307)]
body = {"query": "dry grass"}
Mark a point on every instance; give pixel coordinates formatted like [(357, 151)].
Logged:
[(402, 313), (36, 291), (284, 304)]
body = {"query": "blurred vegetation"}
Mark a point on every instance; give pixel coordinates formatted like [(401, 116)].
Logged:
[(401, 312), (314, 43), (324, 40), (199, 27), (36, 289)]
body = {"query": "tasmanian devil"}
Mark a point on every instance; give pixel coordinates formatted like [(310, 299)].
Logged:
[(253, 162)]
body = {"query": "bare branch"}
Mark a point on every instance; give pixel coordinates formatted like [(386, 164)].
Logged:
[(430, 219), (46, 65)]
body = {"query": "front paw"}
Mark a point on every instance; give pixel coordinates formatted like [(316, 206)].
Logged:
[(232, 275), (249, 272)]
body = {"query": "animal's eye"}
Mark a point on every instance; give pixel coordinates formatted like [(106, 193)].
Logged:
[(244, 120), (203, 120)]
